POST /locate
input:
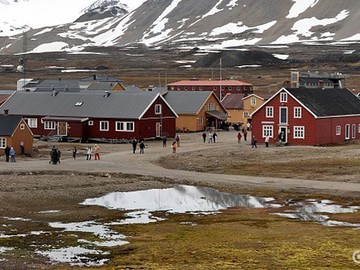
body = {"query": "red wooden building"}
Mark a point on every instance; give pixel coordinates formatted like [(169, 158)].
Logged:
[(308, 117), (220, 88), (92, 115)]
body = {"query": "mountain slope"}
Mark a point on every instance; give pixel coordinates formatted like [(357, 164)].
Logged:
[(213, 24)]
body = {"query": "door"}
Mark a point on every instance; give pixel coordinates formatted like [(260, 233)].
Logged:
[(62, 129), (347, 132), (283, 132), (158, 129)]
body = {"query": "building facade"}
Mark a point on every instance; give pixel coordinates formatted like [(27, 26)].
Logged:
[(308, 117)]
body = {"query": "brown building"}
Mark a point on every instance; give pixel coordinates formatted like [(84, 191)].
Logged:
[(220, 88), (14, 132)]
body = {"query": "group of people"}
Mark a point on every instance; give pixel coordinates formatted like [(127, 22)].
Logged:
[(89, 152), (9, 154), (212, 136), (134, 143)]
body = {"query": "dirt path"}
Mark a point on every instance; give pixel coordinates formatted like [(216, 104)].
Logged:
[(121, 160)]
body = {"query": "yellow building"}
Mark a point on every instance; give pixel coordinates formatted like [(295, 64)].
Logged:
[(240, 106), (196, 110)]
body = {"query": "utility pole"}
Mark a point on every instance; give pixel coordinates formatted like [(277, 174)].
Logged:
[(220, 78)]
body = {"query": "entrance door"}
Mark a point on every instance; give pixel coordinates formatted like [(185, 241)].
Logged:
[(62, 129), (347, 132), (158, 129), (283, 132)]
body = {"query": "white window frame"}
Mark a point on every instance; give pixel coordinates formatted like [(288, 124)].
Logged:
[(32, 122), (22, 126), (49, 125), (268, 130), (269, 111), (359, 128), (104, 126), (252, 101), (211, 106), (122, 126), (297, 112), (158, 109), (201, 120), (90, 123), (3, 142), (299, 132), (283, 97), (287, 115), (338, 130)]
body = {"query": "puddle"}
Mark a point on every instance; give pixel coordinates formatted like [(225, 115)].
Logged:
[(141, 207)]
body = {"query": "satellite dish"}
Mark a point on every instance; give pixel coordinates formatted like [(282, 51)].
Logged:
[(20, 68)]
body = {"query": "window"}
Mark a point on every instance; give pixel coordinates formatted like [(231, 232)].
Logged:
[(32, 122), (200, 88), (229, 88), (246, 114), (201, 121), (268, 131), (353, 131), (359, 128), (214, 88), (193, 88), (338, 130), (238, 88), (211, 106), (2, 143), (269, 112), (283, 115), (299, 132), (185, 88), (125, 126), (49, 125), (90, 123), (157, 108), (104, 125), (253, 101), (22, 126), (297, 112), (283, 97)]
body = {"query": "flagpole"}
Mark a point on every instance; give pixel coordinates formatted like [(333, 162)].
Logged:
[(220, 78)]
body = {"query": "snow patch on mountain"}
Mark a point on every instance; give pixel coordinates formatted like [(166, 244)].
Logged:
[(300, 6)]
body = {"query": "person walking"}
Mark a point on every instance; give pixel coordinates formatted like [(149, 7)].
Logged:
[(12, 154), (53, 156), (239, 137), (267, 139), (58, 155), (177, 139), (245, 134), (210, 140), (164, 140), (142, 147), (74, 152), (88, 153), (215, 137), (204, 136), (96, 152), (7, 153), (173, 146), (134, 145), (253, 142)]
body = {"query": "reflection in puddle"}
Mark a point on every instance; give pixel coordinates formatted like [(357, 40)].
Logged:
[(179, 199), (312, 210)]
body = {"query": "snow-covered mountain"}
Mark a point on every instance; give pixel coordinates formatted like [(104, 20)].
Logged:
[(211, 24)]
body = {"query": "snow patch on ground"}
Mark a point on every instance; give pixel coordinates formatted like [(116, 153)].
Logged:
[(300, 6)]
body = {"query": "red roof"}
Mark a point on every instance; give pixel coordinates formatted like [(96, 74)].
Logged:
[(233, 101), (209, 83)]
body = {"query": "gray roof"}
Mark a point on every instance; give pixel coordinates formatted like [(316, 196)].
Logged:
[(8, 124), (106, 86), (91, 104), (56, 85), (186, 102), (328, 102)]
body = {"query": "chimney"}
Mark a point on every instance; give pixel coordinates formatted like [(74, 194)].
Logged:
[(6, 111), (107, 94)]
